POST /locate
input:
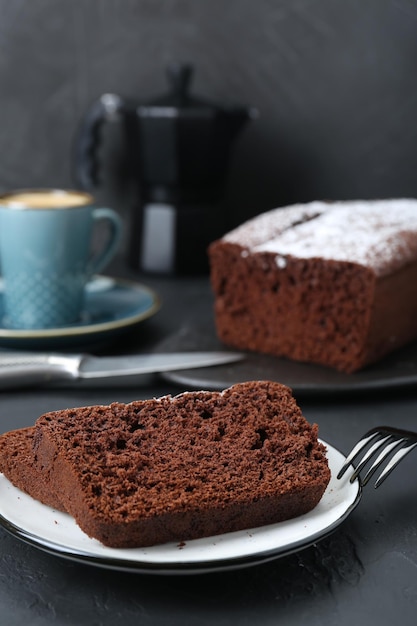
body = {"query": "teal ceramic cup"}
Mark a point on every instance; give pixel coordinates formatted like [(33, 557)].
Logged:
[(46, 241)]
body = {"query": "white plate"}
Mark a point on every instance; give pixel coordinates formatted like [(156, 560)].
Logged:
[(58, 533)]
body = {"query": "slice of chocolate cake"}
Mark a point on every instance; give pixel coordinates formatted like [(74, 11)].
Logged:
[(17, 463), (178, 468)]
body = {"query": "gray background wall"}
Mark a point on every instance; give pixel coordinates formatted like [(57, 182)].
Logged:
[(334, 80)]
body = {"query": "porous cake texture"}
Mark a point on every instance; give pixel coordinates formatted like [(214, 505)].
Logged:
[(327, 283), (177, 468), (17, 462)]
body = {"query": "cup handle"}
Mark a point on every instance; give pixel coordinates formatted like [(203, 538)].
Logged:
[(104, 257)]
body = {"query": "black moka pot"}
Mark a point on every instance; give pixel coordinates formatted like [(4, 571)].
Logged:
[(178, 153)]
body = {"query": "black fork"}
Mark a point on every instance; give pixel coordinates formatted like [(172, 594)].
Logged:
[(382, 447)]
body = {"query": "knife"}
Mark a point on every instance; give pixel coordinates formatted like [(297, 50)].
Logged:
[(22, 369)]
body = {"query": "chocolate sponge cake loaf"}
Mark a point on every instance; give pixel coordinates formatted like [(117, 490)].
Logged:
[(183, 467), (327, 283)]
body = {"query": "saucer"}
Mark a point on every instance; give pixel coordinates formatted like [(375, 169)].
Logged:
[(112, 306)]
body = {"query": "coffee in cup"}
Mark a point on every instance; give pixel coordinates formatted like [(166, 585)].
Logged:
[(45, 254)]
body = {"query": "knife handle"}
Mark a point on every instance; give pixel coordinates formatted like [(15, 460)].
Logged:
[(28, 369)]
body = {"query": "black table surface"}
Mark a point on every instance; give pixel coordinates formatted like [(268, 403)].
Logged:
[(363, 573)]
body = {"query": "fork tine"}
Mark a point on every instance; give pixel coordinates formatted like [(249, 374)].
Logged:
[(388, 449), (394, 462), (362, 443), (372, 450), (386, 444)]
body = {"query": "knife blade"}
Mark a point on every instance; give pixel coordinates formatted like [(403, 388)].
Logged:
[(25, 369)]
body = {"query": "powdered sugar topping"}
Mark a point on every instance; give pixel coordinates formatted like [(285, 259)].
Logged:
[(380, 234), (268, 225)]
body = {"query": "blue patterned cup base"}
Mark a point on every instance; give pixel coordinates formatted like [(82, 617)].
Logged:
[(84, 318), (43, 301)]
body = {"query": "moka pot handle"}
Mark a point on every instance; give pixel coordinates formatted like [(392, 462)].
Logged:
[(109, 107)]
